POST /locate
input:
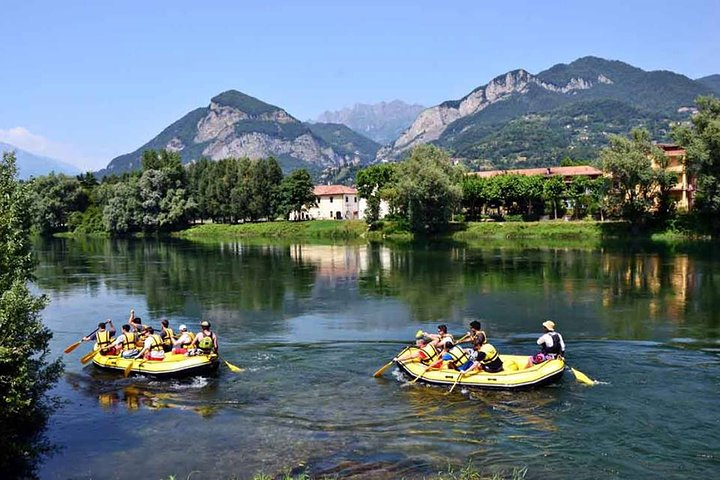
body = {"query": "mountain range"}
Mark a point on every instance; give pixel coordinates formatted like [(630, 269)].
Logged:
[(31, 165), (238, 125), (382, 122), (518, 119)]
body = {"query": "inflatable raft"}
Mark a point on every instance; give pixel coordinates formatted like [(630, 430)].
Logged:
[(513, 377), (173, 366)]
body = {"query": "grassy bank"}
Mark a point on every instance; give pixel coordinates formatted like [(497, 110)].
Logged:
[(547, 230), (316, 229)]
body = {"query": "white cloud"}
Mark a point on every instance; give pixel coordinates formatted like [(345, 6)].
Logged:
[(24, 139)]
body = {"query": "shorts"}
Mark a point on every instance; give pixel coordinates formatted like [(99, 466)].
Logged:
[(129, 353)]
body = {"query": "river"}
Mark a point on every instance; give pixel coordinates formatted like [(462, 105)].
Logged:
[(311, 323)]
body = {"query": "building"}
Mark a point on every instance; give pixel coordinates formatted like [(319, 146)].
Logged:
[(568, 173), (335, 202), (683, 193)]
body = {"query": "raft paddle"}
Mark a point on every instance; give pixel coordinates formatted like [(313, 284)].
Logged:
[(89, 356), (384, 368), (456, 382), (232, 367), (581, 377), (73, 346), (128, 369)]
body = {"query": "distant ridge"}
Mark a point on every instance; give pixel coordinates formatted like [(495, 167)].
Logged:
[(238, 125), (522, 120), (31, 165), (712, 82), (382, 122)]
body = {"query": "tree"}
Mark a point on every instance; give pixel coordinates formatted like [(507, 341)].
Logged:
[(297, 192), (636, 186), (55, 198), (554, 192), (25, 374), (701, 141), (428, 189), (372, 184)]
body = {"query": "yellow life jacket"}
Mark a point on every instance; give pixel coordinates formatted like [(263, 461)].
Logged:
[(459, 355), (430, 351), (129, 341), (157, 342), (490, 354), (102, 339), (168, 336), (188, 342)]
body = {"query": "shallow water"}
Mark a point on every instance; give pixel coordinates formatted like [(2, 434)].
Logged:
[(311, 323)]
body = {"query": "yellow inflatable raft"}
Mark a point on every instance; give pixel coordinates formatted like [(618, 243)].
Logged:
[(513, 377), (174, 365)]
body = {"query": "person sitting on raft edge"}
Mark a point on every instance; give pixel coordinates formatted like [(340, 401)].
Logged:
[(427, 351), (551, 343)]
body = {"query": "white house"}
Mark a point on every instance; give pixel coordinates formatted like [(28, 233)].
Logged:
[(336, 202)]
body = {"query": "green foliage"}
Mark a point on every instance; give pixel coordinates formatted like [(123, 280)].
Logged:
[(427, 190), (296, 193), (636, 186), (701, 141), (55, 198), (373, 184), (25, 374)]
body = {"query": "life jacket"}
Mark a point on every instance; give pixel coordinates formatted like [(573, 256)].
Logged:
[(129, 341), (492, 359), (556, 349), (157, 342), (430, 352), (459, 355), (168, 336), (187, 343), (206, 343), (102, 339)]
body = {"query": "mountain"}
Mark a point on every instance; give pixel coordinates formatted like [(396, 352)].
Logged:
[(524, 120), (382, 122), (31, 165), (238, 125), (712, 82)]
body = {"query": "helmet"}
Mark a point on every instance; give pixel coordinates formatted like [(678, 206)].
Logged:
[(205, 323), (550, 325), (182, 327)]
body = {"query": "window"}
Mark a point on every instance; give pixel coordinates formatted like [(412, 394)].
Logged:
[(347, 199), (355, 199), (330, 199)]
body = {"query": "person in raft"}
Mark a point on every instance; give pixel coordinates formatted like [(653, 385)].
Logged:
[(125, 344), (204, 342), (427, 351), (152, 345), (484, 356), (439, 338), (474, 333), (551, 343), (183, 341), (103, 338)]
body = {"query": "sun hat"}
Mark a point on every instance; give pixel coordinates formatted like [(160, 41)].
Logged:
[(205, 323), (549, 324)]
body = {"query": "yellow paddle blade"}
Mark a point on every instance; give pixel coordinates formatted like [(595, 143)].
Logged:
[(128, 369), (383, 369), (232, 367), (72, 347), (88, 356), (582, 378)]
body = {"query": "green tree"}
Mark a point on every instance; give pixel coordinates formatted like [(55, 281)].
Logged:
[(554, 192), (701, 141), (296, 192), (55, 198), (428, 189), (636, 186), (372, 184), (25, 373)]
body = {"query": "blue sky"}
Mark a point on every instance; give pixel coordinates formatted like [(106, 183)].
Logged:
[(85, 81)]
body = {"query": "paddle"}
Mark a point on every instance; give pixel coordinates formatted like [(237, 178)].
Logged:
[(382, 369), (456, 382), (420, 376), (88, 356), (232, 367), (581, 377), (73, 346), (128, 369)]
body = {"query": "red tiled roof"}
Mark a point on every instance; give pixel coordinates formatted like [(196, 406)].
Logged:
[(574, 171), (322, 190)]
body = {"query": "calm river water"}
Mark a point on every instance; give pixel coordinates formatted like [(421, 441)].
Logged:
[(311, 323)]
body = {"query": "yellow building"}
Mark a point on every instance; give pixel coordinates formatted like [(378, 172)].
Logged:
[(683, 192)]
